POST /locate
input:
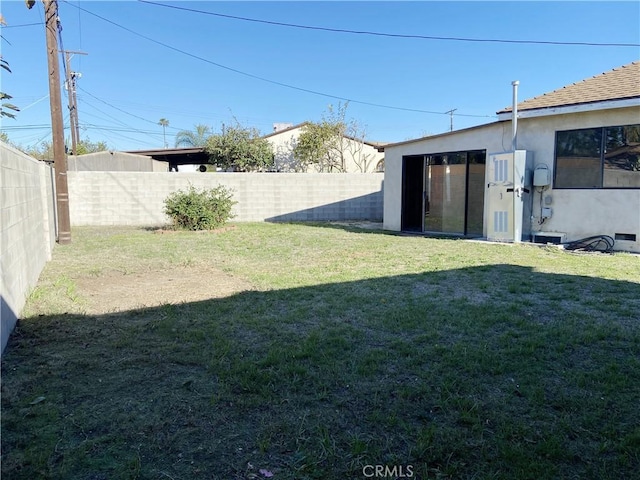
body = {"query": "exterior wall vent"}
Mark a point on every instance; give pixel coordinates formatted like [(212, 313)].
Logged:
[(555, 238), (629, 237)]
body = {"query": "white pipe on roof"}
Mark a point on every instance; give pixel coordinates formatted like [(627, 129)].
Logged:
[(514, 116)]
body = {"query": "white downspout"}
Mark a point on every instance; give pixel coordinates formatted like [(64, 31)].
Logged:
[(514, 146), (514, 120)]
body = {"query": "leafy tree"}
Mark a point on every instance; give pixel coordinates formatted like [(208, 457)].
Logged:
[(193, 138), (239, 148), (330, 143), (44, 151), (87, 146), (355, 138), (319, 145)]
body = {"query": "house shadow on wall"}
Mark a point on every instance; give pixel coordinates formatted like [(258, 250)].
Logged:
[(365, 207), (421, 366)]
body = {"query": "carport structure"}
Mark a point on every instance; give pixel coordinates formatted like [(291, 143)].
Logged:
[(176, 156)]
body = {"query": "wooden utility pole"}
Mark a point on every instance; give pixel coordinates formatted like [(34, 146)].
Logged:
[(59, 156), (70, 81), (450, 112)]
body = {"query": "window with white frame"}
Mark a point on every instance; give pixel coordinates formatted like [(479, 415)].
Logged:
[(603, 157)]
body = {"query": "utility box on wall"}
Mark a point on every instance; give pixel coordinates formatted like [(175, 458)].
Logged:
[(509, 196)]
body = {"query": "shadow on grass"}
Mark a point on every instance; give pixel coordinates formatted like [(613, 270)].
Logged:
[(354, 226), (364, 226), (485, 372)]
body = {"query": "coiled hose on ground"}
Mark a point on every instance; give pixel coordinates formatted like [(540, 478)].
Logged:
[(597, 243)]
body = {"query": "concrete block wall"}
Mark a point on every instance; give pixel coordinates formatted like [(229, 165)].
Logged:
[(137, 198), (114, 161), (27, 230)]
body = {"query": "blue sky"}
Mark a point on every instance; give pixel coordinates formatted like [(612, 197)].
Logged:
[(129, 82)]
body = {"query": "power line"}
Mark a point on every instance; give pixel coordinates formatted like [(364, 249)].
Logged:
[(23, 25), (273, 82), (108, 115), (393, 35), (25, 127), (131, 139), (34, 103), (116, 108), (107, 128), (129, 128)]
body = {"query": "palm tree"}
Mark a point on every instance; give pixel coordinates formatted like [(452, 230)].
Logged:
[(164, 123), (197, 138)]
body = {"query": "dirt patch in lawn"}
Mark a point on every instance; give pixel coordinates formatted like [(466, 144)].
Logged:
[(115, 291)]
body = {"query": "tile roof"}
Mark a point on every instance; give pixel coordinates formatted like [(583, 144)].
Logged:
[(617, 84)]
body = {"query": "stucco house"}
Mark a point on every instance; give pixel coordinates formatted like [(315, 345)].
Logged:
[(570, 169), (361, 156)]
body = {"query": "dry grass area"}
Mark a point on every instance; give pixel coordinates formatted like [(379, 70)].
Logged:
[(314, 351), (116, 292)]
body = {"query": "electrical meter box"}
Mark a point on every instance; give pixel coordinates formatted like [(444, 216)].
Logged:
[(541, 176), (509, 196)]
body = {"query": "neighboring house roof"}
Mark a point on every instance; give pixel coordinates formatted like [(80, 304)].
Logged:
[(180, 156), (301, 125), (618, 84), (284, 130), (167, 151)]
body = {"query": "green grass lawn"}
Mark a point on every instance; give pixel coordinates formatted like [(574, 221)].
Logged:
[(434, 358)]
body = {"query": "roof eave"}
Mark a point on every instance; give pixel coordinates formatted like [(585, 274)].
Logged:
[(576, 108), (438, 135), (167, 151), (285, 130)]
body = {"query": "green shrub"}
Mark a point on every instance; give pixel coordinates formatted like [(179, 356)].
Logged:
[(200, 209)]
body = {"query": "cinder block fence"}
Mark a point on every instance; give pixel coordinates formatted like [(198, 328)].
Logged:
[(136, 198), (27, 230)]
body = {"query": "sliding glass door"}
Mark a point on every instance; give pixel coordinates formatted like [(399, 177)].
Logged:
[(444, 193)]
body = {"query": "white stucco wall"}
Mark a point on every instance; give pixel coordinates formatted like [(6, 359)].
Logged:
[(360, 157), (579, 213), (283, 144)]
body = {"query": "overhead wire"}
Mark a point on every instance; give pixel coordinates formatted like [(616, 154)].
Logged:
[(120, 129), (34, 103), (127, 128), (48, 134), (391, 35), (23, 25), (25, 127), (273, 82), (121, 110), (111, 117), (115, 140)]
